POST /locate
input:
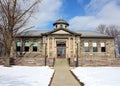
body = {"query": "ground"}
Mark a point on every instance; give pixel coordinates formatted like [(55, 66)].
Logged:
[(25, 76), (98, 76)]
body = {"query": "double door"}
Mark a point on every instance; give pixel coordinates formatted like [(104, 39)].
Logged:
[(61, 52)]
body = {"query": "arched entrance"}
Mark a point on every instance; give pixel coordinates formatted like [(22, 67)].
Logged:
[(61, 49)]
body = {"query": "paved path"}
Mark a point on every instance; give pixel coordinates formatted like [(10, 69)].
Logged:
[(62, 76)]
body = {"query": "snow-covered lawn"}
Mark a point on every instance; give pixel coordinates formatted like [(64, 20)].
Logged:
[(98, 76), (25, 76)]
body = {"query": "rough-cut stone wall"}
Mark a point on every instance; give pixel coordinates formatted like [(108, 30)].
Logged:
[(110, 53), (95, 62), (40, 49), (1, 61), (35, 62)]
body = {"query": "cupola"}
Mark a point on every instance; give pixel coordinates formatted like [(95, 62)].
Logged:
[(60, 24)]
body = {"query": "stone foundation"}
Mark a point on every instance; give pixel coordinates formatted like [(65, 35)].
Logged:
[(24, 61), (96, 62), (36, 62)]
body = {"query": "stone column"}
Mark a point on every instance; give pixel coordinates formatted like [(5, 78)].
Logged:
[(69, 48), (48, 47), (53, 46), (55, 49), (73, 45), (30, 45)]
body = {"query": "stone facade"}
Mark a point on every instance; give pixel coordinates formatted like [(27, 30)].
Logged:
[(64, 43)]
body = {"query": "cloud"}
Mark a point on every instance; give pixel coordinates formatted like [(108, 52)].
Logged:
[(108, 13), (95, 6), (48, 11)]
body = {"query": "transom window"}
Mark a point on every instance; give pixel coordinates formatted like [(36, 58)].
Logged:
[(86, 47), (95, 49)]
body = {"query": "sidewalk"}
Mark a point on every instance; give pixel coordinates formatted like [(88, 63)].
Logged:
[(62, 76)]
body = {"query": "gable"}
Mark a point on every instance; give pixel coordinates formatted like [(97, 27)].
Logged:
[(61, 32)]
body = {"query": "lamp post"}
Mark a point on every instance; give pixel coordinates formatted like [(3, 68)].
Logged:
[(77, 55)]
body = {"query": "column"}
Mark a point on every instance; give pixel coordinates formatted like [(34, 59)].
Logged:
[(48, 47), (73, 45), (53, 46), (69, 48)]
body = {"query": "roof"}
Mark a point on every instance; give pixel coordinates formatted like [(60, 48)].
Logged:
[(66, 30), (91, 34), (32, 33), (38, 33), (60, 21)]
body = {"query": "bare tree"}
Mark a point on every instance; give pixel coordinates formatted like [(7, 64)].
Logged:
[(111, 30), (14, 14), (101, 28)]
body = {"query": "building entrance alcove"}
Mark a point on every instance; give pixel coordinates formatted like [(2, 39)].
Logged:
[(61, 49)]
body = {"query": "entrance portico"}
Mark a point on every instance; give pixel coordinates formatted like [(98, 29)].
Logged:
[(61, 41)]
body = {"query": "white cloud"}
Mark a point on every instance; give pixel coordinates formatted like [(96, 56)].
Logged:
[(95, 5), (48, 11), (108, 14)]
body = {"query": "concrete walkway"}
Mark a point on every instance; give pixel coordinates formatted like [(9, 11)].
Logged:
[(62, 76)]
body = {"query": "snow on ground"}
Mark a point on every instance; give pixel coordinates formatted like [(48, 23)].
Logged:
[(98, 76), (25, 76)]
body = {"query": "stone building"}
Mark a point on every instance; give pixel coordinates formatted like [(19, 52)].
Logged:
[(61, 42)]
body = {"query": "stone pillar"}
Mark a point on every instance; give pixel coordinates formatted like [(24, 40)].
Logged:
[(48, 47), (99, 46), (31, 45), (73, 45), (55, 49), (53, 46), (69, 48)]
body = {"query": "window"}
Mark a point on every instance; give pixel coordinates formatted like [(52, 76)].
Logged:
[(95, 47), (56, 26), (86, 47), (35, 44), (61, 26), (18, 46), (26, 48), (103, 48)]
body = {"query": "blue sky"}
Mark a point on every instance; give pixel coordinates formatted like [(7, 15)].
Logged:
[(80, 14)]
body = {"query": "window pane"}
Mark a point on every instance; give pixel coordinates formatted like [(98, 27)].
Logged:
[(103, 49), (94, 44), (102, 44), (26, 43), (35, 49), (18, 48), (86, 49), (35, 44), (26, 48), (95, 49), (18, 43), (86, 44)]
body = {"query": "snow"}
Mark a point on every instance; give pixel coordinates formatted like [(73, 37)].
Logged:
[(25, 76), (98, 76)]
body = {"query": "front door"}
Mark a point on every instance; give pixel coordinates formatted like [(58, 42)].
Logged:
[(61, 51)]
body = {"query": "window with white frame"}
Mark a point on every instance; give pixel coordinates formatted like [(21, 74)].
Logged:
[(95, 49), (103, 47), (86, 46)]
